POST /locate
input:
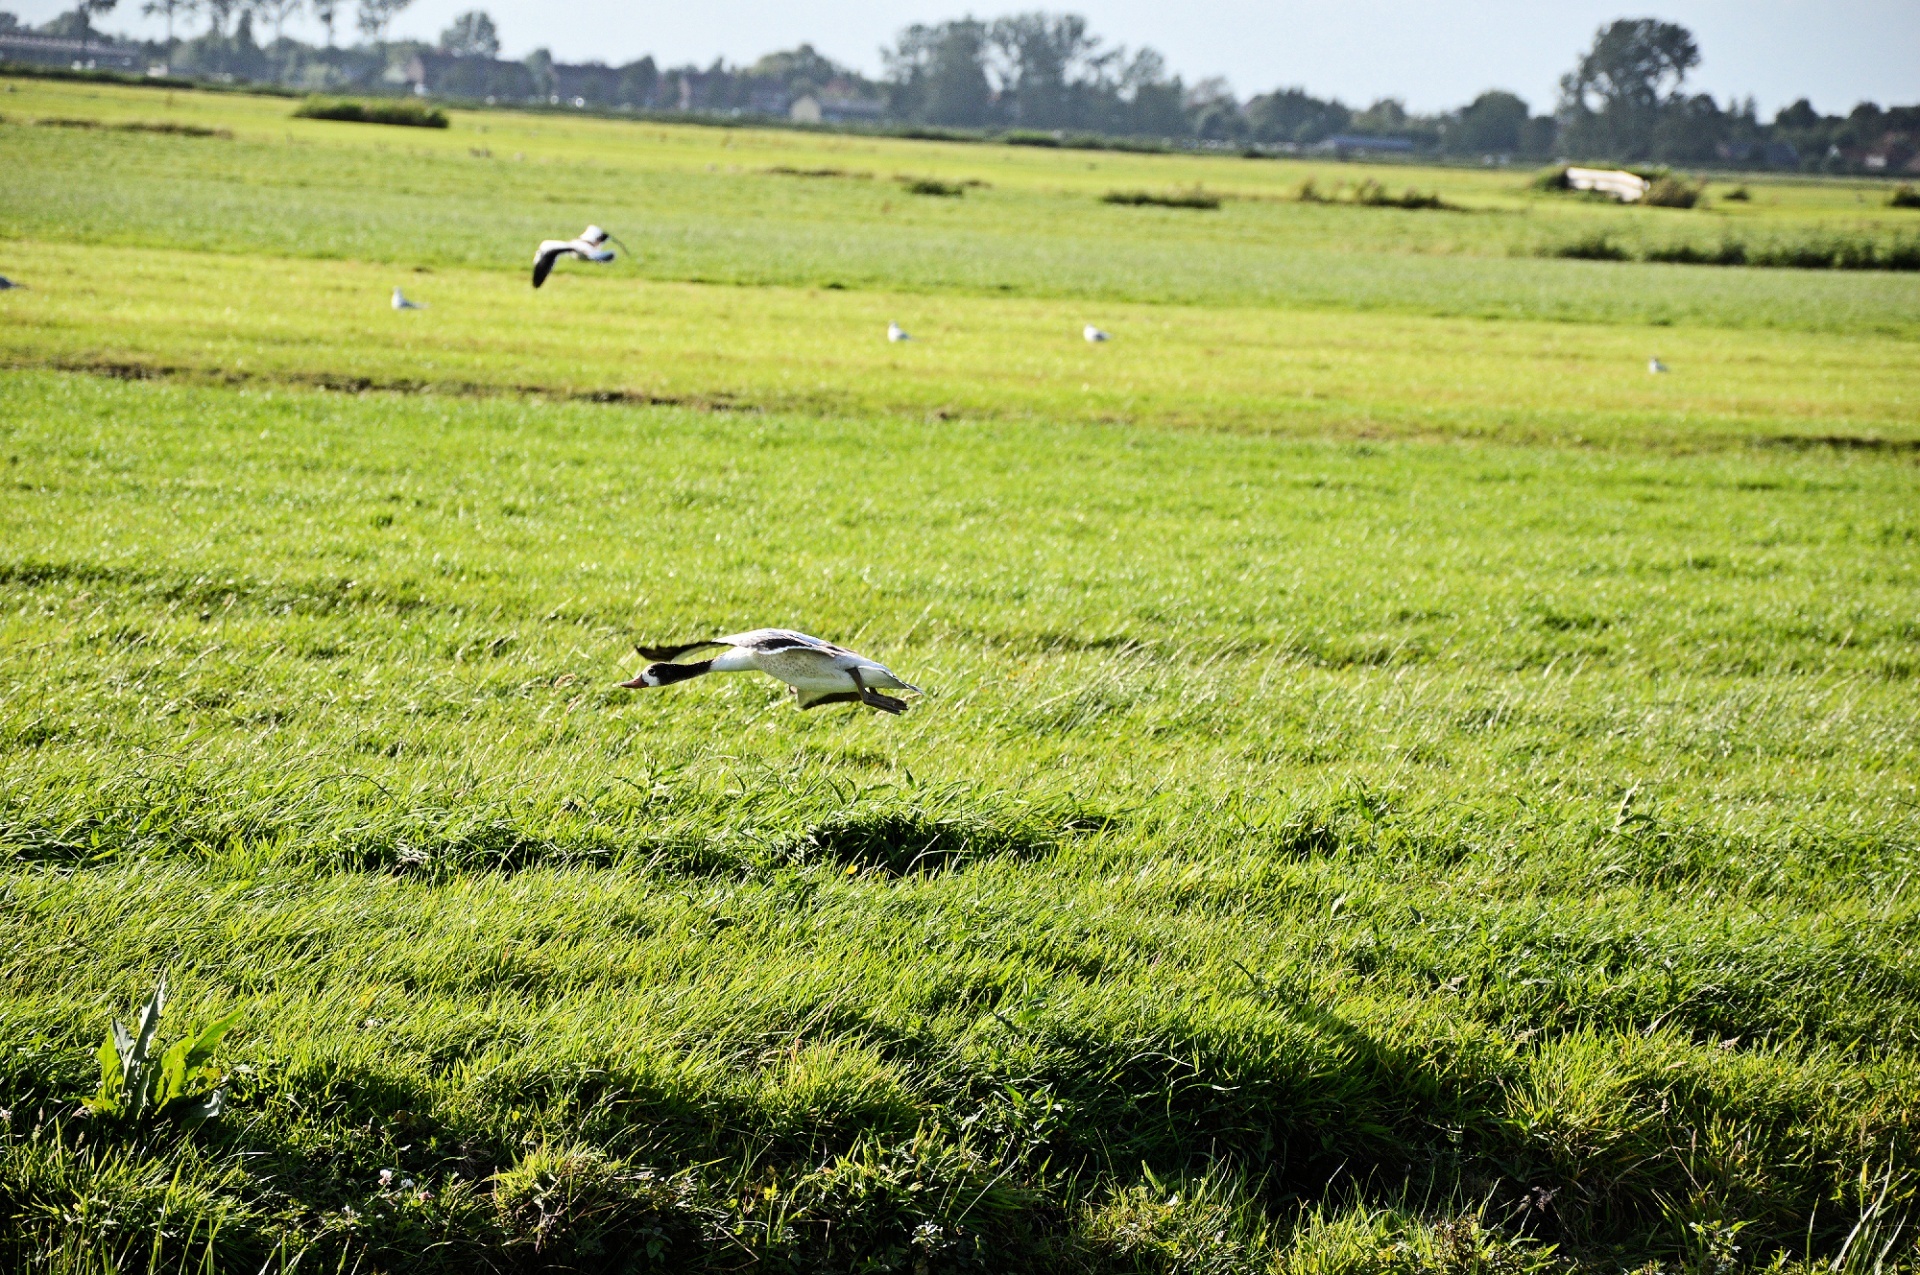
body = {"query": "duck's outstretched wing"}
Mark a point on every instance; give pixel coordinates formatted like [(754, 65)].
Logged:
[(670, 653), (550, 251)]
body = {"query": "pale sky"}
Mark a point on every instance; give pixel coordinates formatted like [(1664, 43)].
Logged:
[(1431, 53)]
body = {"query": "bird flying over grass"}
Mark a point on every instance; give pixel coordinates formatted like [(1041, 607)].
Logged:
[(585, 248), (816, 671)]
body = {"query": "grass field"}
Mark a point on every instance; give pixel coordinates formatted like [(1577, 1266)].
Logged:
[(1400, 788)]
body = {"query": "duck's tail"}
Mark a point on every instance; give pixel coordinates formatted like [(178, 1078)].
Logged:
[(667, 674)]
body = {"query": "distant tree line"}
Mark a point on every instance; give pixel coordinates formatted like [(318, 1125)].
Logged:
[(1624, 101)]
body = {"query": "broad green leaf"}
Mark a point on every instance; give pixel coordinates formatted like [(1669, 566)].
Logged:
[(150, 1018), (173, 1074), (110, 1074), (203, 1045)]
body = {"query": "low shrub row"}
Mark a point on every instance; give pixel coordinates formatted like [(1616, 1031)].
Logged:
[(1836, 252), (403, 113)]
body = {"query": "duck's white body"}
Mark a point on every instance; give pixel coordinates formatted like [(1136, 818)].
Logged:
[(587, 248), (818, 671)]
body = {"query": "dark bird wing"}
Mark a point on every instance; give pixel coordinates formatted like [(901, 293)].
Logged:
[(550, 251), (669, 653)]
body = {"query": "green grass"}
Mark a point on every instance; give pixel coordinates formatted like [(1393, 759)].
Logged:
[(1400, 789), (700, 205)]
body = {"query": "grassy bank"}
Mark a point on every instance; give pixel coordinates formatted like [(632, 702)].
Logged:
[(1401, 789), (1398, 827)]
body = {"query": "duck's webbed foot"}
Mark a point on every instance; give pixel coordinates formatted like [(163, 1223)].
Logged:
[(874, 699)]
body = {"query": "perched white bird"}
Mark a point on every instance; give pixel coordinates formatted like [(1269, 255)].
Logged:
[(818, 672), (6, 283), (587, 248), (400, 302), (1655, 366), (897, 333), (1095, 335)]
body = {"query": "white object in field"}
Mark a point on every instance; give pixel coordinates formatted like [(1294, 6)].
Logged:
[(1095, 334), (400, 302), (1626, 187), (817, 671), (587, 248), (897, 333), (1655, 366)]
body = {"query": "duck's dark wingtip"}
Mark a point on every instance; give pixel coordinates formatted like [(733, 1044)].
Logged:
[(670, 652)]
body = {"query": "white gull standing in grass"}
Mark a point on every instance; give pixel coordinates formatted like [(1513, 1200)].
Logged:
[(1095, 335), (897, 333), (817, 671), (1655, 366), (400, 302)]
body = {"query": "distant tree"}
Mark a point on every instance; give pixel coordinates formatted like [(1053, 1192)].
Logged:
[(169, 10), (1491, 124), (88, 11), (1294, 115), (71, 25), (1155, 104), (639, 81), (471, 35), (1800, 115), (798, 71), (277, 12), (328, 12), (1610, 103), (1691, 130), (540, 65), (1215, 112), (1385, 117), (939, 74), (1539, 137), (374, 16), (218, 11), (1042, 58), (9, 22)]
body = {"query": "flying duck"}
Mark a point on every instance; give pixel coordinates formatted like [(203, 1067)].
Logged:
[(586, 248), (817, 671)]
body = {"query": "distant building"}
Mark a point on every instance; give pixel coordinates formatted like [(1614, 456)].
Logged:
[(768, 101), (581, 84), (445, 75), (78, 55), (1360, 144), (824, 109)]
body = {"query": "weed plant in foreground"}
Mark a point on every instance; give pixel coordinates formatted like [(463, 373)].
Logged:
[(1346, 857)]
